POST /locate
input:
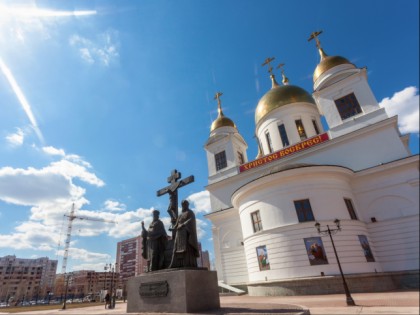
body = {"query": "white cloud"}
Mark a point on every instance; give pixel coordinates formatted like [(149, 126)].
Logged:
[(77, 159), (103, 49), (53, 151), (31, 186), (50, 184), (131, 222), (99, 267), (84, 255), (16, 139), (200, 202), (405, 104), (47, 225), (30, 235), (86, 55), (70, 169), (112, 205), (201, 228)]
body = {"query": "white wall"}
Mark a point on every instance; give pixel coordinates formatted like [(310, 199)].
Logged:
[(274, 196), (355, 83), (228, 249), (288, 257), (390, 194), (396, 243), (229, 140), (361, 149), (283, 235)]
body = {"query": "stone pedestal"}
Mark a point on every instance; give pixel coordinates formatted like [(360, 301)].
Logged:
[(173, 291)]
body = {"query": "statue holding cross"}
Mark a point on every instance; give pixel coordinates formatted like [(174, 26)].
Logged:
[(172, 190)]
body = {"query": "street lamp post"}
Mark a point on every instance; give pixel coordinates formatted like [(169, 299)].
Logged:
[(112, 287), (115, 284), (330, 232), (105, 269), (112, 269)]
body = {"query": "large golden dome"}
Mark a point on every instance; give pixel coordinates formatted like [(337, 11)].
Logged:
[(328, 62), (222, 121), (279, 96)]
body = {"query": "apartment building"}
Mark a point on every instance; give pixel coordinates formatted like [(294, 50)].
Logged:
[(26, 279), (82, 283), (204, 260), (129, 261)]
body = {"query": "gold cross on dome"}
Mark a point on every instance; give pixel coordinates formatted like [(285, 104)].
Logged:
[(217, 97), (280, 66), (268, 62), (314, 35)]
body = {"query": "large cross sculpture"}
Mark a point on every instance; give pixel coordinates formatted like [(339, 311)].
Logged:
[(172, 190)]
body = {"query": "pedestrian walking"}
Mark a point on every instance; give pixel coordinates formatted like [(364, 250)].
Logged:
[(107, 300)]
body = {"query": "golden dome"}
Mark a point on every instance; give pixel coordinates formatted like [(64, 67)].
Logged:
[(327, 63), (279, 96), (222, 121)]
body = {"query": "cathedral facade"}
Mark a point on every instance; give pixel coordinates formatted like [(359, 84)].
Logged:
[(357, 179)]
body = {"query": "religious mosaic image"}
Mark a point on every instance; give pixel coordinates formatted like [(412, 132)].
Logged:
[(263, 258), (366, 248), (316, 251)]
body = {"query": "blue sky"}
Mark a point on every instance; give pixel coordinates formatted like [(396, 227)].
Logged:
[(100, 100)]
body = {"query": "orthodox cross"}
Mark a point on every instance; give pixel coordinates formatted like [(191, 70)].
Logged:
[(217, 97), (285, 79), (314, 35), (172, 190), (267, 62), (280, 66)]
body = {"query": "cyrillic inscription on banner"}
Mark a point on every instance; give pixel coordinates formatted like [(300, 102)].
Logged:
[(285, 152)]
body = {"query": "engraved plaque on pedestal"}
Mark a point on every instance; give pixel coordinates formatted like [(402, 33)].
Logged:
[(154, 289)]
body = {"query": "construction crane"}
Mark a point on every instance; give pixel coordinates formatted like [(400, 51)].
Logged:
[(71, 217)]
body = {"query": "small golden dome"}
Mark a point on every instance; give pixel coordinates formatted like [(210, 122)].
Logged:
[(328, 62), (279, 96), (222, 121)]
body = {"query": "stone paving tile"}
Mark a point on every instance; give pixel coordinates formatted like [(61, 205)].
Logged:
[(392, 303)]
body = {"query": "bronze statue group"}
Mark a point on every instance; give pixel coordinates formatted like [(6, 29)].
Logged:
[(179, 252)]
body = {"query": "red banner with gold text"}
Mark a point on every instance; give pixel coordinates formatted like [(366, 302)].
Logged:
[(285, 152)]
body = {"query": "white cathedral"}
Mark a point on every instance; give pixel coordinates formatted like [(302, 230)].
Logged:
[(360, 172)]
